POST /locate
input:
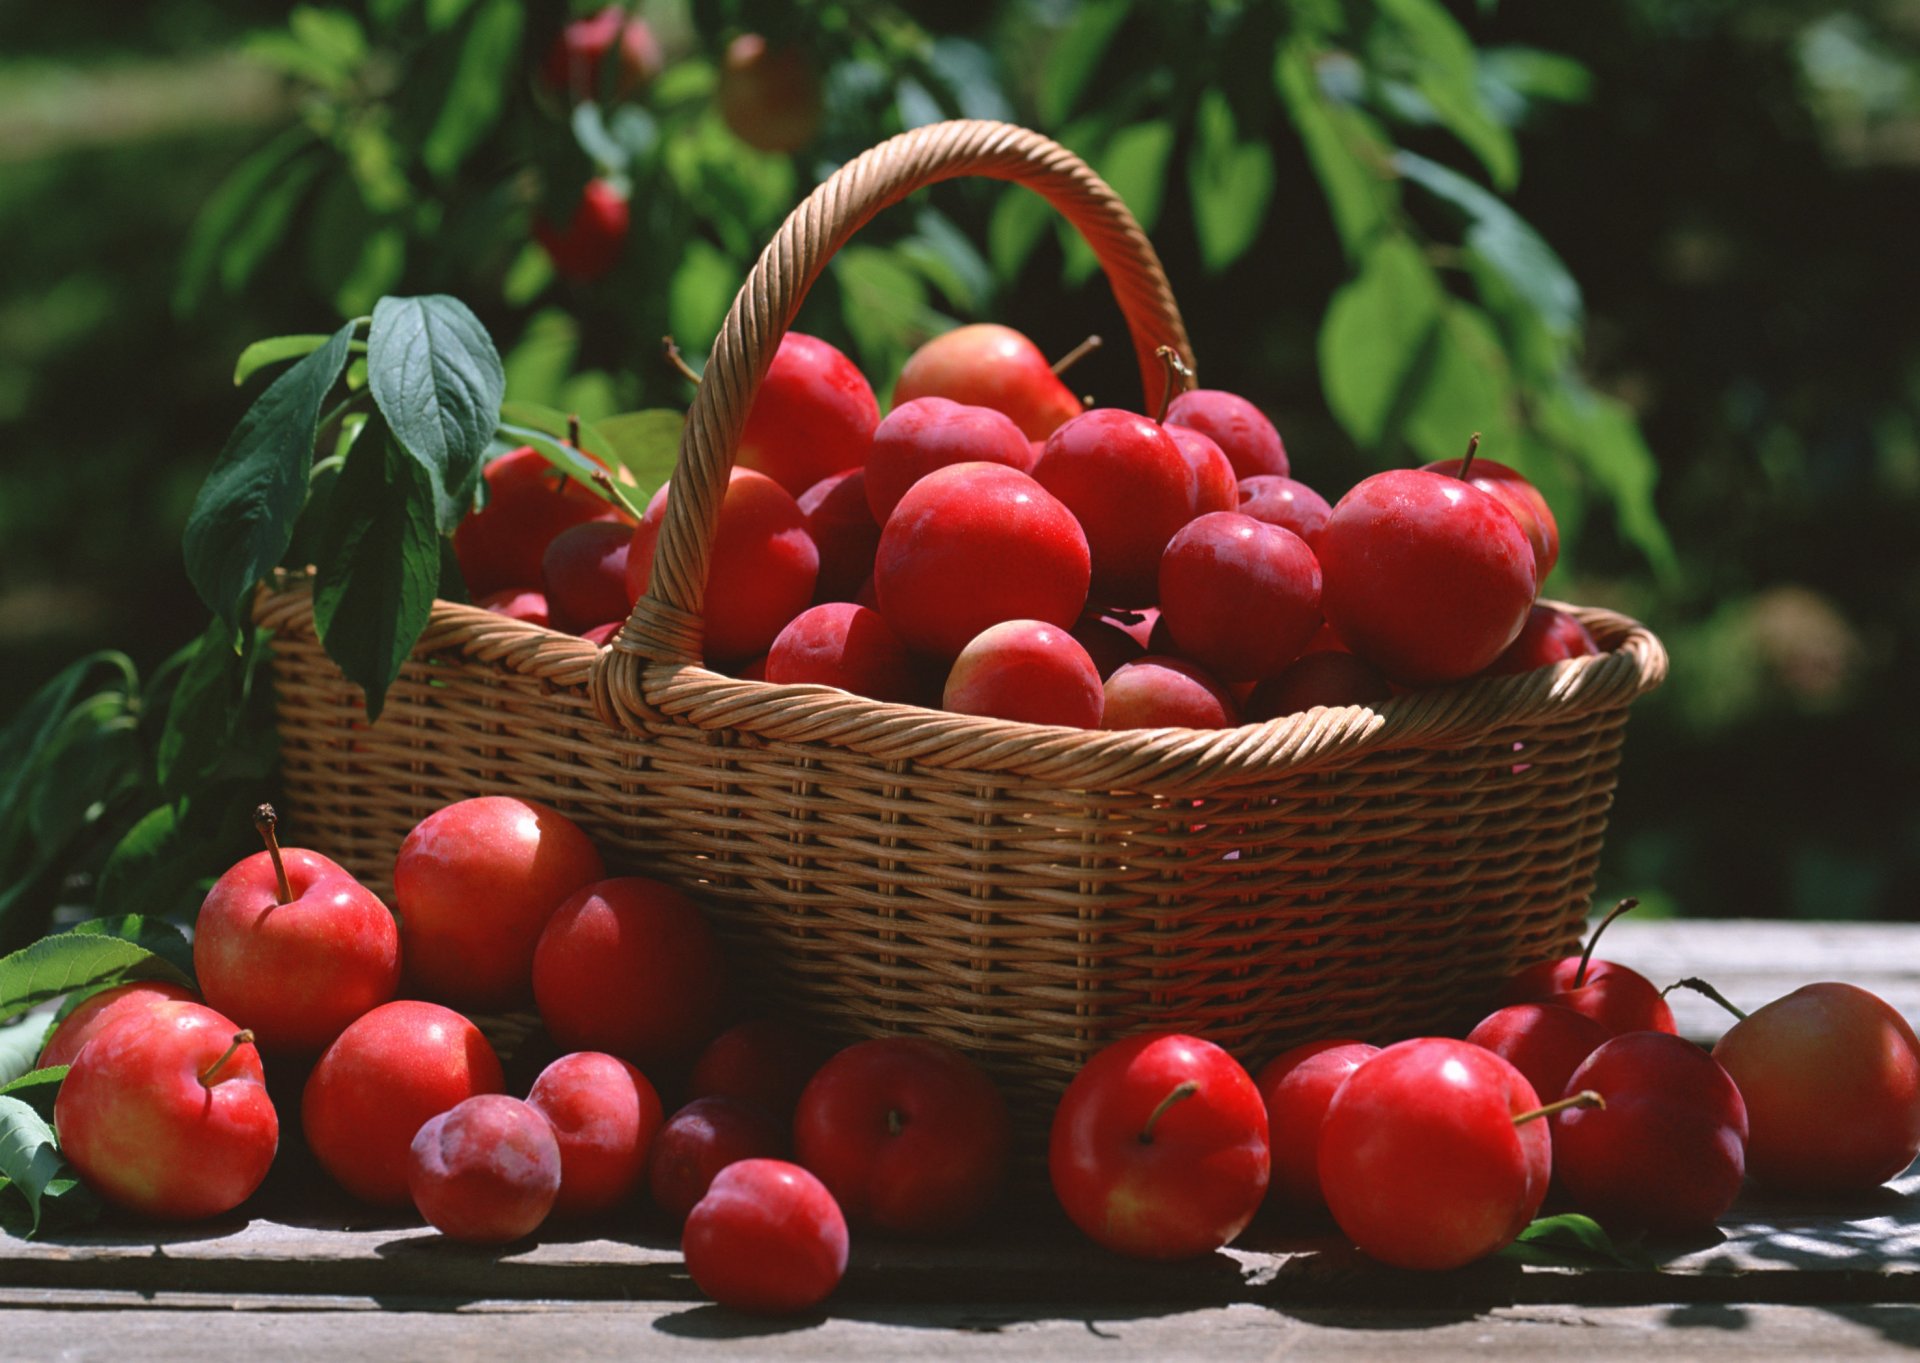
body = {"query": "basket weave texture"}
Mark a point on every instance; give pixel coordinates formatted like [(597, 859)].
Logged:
[(1024, 892)]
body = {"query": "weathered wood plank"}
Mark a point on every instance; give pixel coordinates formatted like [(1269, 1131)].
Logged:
[(173, 1329)]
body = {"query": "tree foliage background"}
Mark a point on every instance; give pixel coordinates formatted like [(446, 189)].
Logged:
[(1661, 253)]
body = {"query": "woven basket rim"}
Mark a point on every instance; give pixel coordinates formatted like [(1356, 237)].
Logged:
[(1634, 663)]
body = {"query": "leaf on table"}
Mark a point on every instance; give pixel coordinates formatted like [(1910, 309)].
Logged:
[(37, 1088), (379, 566), (81, 959), (1572, 1240), (438, 381), (29, 1155), (242, 521), (160, 937), (20, 1046)]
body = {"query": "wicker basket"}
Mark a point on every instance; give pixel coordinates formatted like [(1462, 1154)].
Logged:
[(1026, 893)]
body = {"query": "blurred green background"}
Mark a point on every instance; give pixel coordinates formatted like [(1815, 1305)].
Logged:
[(1666, 251)]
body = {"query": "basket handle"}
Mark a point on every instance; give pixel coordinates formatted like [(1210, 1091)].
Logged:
[(665, 625)]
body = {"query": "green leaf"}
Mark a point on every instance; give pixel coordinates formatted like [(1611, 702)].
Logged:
[(1603, 435), (1575, 1241), (1447, 74), (700, 293), (227, 208), (1466, 386), (1348, 153), (161, 938), (79, 959), (20, 1046), (242, 521), (1514, 79), (1374, 340), (201, 713), (478, 89), (273, 350), (647, 443), (1501, 243), (37, 1088), (1134, 164), (95, 756), (947, 258), (24, 741), (539, 363), (1231, 182), (255, 236), (1020, 219), (1076, 56), (884, 306), (150, 867), (564, 456), (438, 381), (29, 1155), (379, 565)]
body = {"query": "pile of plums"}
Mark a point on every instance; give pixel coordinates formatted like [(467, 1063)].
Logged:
[(991, 548)]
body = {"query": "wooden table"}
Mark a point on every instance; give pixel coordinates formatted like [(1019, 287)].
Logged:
[(303, 1279)]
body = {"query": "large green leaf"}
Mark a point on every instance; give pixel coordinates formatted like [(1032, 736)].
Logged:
[(1076, 56), (379, 565), (438, 381), (243, 519), (1134, 163), (1018, 224), (29, 1155), (20, 1044), (476, 92), (24, 741), (203, 709), (1602, 434), (38, 1089), (1348, 153), (1230, 180), (1447, 75), (1375, 342), (701, 291), (95, 757), (647, 443), (1466, 386), (229, 207), (73, 960)]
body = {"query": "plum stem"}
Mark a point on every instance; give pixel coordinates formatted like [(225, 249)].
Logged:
[(1466, 464), (1584, 1098), (1586, 957), (604, 481), (241, 1038), (1700, 986), (1185, 1089), (1077, 354), (679, 362), (1179, 378), (264, 822), (573, 429)]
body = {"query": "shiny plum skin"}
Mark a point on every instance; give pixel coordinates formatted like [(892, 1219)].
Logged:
[(1420, 1160), (1239, 428), (766, 1061), (1156, 692), (1426, 578), (1831, 1078), (379, 1082), (1130, 487), (629, 966), (700, 1140), (1238, 596), (584, 575), (843, 530), (1544, 1041), (529, 501), (848, 646), (1029, 671), (917, 437), (813, 415), (139, 1118), (1619, 999), (908, 1134), (988, 365), (294, 973), (486, 1171), (1297, 1086), (768, 1237), (1520, 497), (762, 571), (589, 245), (1549, 636), (474, 884), (76, 1029), (604, 1114), (971, 546), (1174, 1185), (1668, 1151), (1107, 642), (1331, 677), (1283, 502), (1214, 486), (518, 603)]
